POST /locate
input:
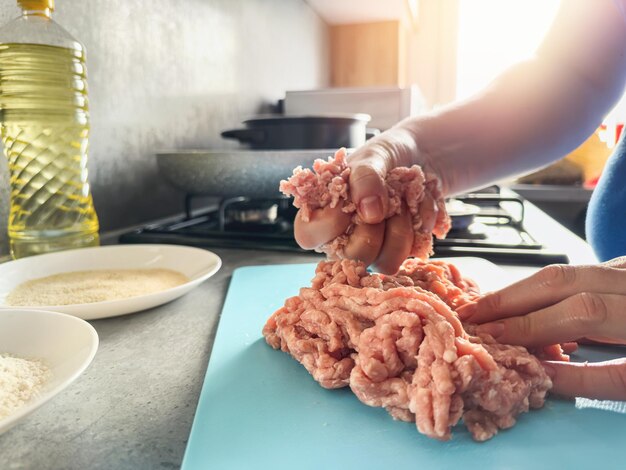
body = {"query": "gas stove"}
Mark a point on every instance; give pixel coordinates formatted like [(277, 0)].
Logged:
[(497, 232)]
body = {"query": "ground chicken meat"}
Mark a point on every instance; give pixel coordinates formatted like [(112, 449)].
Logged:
[(328, 185), (397, 342)]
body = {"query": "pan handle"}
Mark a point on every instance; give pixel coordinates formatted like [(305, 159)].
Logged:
[(245, 136)]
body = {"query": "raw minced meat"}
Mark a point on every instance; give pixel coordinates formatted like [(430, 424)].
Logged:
[(328, 185), (397, 342)]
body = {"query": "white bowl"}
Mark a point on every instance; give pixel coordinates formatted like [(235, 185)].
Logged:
[(195, 263), (65, 344)]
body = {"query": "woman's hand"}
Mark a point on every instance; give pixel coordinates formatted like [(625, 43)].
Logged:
[(560, 304), (383, 243)]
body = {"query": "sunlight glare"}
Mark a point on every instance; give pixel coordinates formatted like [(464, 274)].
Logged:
[(494, 34)]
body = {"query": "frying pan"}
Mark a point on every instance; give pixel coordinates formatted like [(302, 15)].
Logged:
[(256, 174), (227, 173)]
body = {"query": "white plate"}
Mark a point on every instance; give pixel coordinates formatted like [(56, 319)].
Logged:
[(197, 264), (65, 344)]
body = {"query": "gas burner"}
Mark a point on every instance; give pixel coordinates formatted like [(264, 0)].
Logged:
[(497, 232), (255, 211), (475, 231)]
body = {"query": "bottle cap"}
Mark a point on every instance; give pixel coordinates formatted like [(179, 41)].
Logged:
[(36, 4)]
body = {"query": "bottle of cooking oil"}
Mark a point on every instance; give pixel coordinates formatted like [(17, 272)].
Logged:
[(44, 121)]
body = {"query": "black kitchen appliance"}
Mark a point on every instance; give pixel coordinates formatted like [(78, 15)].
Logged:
[(497, 233)]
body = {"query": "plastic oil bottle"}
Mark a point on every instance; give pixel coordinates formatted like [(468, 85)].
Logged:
[(44, 122)]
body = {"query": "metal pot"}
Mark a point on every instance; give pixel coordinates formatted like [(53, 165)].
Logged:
[(275, 132), (227, 173)]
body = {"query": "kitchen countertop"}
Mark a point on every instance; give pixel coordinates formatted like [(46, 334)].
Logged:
[(134, 406), (553, 193)]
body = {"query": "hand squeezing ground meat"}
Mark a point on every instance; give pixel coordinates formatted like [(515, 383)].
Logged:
[(328, 185), (397, 343)]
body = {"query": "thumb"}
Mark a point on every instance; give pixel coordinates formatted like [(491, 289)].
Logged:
[(369, 167), (600, 380), (369, 193)]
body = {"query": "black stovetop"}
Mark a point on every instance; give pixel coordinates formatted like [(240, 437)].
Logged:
[(497, 233)]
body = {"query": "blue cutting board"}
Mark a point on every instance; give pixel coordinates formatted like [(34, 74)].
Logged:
[(260, 409)]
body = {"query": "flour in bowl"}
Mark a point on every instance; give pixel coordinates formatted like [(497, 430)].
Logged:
[(84, 287), (20, 381)]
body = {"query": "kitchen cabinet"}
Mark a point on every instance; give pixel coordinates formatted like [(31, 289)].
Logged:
[(389, 45), (368, 54)]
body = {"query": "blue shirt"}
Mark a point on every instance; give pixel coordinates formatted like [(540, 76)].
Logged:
[(606, 216)]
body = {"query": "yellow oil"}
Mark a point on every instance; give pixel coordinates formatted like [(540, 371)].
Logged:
[(44, 123)]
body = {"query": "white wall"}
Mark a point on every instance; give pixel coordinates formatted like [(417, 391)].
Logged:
[(165, 74)]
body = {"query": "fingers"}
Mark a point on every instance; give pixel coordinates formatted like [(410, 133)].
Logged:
[(601, 380), (575, 317), (428, 213), (369, 193), (370, 165), (365, 242), (546, 287), (569, 347), (324, 225), (619, 263), (397, 243)]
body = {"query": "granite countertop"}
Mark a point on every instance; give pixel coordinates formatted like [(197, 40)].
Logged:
[(134, 406)]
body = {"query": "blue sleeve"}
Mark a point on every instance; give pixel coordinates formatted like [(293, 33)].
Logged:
[(606, 216)]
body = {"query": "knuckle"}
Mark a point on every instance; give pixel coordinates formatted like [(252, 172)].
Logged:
[(617, 263), (492, 302), (524, 327), (558, 275), (302, 234), (360, 240), (364, 245), (364, 172), (592, 309), (401, 231), (386, 150), (400, 226)]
